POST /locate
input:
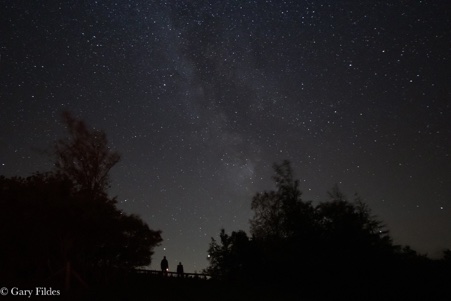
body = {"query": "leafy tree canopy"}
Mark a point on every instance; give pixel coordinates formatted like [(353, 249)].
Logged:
[(50, 219), (84, 156), (290, 234)]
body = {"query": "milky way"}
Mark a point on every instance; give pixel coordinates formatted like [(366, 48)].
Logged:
[(202, 97)]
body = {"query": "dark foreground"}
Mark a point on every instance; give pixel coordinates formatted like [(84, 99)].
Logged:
[(143, 287)]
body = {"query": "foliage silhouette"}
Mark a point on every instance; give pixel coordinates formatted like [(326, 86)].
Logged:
[(84, 157), (351, 230), (334, 246), (232, 257), (279, 214), (65, 218), (447, 256)]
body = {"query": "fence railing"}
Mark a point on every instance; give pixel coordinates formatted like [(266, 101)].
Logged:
[(156, 273)]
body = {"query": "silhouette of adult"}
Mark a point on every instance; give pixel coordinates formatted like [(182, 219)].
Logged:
[(164, 266), (180, 270)]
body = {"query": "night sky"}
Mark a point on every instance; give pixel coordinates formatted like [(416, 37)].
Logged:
[(202, 97)]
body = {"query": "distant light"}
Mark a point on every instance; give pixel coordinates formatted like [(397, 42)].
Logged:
[(441, 208)]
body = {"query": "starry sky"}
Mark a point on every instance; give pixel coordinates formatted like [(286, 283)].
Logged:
[(202, 97)]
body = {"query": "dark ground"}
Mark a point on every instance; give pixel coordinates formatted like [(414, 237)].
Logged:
[(402, 284), (143, 287)]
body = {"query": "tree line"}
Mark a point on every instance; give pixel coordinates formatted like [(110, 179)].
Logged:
[(320, 250), (61, 226)]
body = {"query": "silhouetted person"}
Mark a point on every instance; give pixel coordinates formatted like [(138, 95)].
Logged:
[(164, 266), (180, 270)]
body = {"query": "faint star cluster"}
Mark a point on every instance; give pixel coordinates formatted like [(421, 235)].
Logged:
[(202, 97)]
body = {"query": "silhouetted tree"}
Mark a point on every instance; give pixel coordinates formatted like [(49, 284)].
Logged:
[(353, 241), (281, 214), (65, 219), (232, 258), (84, 156), (46, 225), (351, 225), (447, 256), (284, 227)]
